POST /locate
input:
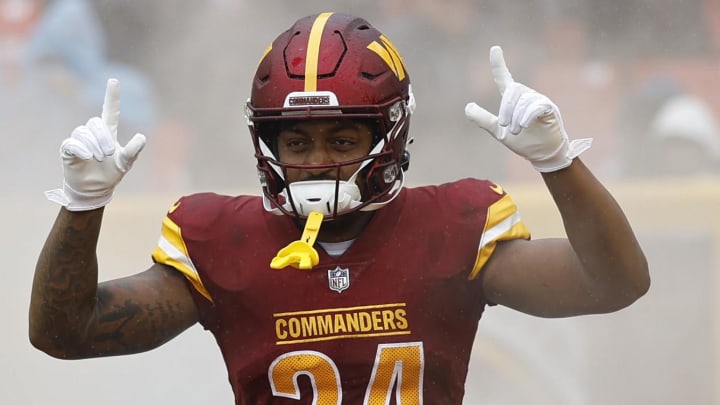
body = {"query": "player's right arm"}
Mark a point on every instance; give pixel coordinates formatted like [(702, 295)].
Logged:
[(71, 316)]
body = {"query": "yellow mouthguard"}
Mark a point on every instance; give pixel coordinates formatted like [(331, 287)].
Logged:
[(300, 254)]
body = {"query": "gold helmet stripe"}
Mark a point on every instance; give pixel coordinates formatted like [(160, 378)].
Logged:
[(313, 51), (397, 59), (390, 55)]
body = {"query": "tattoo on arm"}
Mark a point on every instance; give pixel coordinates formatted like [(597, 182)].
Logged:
[(65, 282), (71, 316), (131, 325)]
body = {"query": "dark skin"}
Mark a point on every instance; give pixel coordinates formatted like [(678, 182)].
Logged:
[(327, 141), (73, 317), (599, 268)]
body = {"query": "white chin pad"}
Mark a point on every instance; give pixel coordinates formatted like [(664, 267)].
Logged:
[(319, 196)]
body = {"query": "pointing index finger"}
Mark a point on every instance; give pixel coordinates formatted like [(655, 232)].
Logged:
[(500, 72), (111, 106)]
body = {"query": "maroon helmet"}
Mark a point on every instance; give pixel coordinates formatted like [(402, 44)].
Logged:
[(332, 65)]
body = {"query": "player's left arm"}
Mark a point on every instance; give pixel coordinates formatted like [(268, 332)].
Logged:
[(600, 267)]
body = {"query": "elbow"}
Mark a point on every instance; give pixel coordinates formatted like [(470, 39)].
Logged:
[(45, 345), (644, 286), (38, 337), (640, 284), (634, 292), (52, 346), (636, 285)]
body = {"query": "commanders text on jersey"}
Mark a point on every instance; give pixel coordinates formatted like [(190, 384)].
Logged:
[(340, 323)]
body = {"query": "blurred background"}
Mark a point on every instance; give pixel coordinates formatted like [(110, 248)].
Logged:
[(642, 77)]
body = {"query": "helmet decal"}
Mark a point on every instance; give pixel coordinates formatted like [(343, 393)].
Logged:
[(390, 55)]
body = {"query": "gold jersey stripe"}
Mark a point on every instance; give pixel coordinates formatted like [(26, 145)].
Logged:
[(171, 251), (503, 223), (312, 57)]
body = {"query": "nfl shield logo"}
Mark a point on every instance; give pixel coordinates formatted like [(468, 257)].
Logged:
[(339, 279)]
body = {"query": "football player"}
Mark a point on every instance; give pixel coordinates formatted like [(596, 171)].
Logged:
[(337, 284)]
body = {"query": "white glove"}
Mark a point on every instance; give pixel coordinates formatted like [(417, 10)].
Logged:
[(93, 161), (528, 123)]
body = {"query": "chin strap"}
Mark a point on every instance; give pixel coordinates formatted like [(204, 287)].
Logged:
[(301, 254)]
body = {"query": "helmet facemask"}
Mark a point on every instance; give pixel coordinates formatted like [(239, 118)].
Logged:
[(376, 181)]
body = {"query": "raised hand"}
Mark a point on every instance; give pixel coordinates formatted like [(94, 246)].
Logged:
[(528, 123), (93, 160)]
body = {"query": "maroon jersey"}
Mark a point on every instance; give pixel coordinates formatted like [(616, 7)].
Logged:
[(392, 320)]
